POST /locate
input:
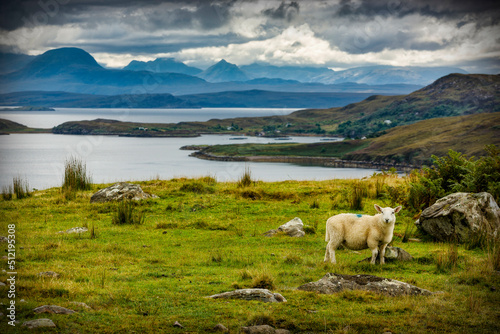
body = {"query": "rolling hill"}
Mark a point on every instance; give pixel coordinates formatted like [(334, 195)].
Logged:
[(409, 145)]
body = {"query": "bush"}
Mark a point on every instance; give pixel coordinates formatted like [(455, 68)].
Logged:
[(75, 176), (125, 215), (449, 174)]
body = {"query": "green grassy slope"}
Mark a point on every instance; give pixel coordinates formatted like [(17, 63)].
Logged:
[(201, 237)]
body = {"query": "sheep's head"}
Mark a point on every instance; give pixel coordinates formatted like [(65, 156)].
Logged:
[(388, 214)]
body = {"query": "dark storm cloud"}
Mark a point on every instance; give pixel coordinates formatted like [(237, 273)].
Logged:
[(285, 11), (443, 9), (30, 13)]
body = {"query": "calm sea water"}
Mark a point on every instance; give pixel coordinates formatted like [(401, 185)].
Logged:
[(39, 158)]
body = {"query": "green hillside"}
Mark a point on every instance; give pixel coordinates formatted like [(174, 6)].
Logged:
[(452, 95), (410, 144)]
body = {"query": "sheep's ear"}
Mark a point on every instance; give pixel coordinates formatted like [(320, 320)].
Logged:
[(378, 208), (396, 210)]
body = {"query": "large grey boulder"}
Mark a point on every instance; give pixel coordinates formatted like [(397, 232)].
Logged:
[(263, 295), (293, 228), (119, 192), (333, 283), (459, 216)]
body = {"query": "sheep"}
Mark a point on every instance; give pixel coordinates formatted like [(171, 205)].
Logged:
[(357, 232)]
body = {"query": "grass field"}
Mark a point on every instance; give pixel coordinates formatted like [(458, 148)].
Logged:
[(202, 237)]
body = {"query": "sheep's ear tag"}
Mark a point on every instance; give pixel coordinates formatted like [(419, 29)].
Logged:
[(358, 215)]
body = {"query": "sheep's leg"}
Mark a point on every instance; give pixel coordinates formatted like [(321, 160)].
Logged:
[(330, 251), (382, 253), (374, 255), (327, 253)]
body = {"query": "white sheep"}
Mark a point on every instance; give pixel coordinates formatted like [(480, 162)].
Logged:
[(357, 232)]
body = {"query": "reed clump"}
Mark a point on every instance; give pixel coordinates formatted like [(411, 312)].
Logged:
[(75, 176), (21, 188), (125, 215)]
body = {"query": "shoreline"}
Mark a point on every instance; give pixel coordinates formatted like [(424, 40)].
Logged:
[(312, 160)]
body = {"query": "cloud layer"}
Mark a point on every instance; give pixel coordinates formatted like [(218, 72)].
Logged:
[(336, 33)]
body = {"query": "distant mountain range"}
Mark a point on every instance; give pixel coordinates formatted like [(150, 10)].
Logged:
[(369, 75), (75, 71), (54, 77)]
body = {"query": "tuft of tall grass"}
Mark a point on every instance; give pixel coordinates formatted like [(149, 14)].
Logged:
[(494, 253), (358, 192), (21, 188), (448, 260), (263, 280), (125, 215), (409, 229), (7, 193), (246, 179), (75, 175)]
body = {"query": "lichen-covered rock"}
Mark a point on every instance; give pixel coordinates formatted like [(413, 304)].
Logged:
[(52, 274), (333, 283), (263, 295), (119, 192), (461, 215), (393, 254), (293, 228), (74, 230), (37, 323), (53, 309)]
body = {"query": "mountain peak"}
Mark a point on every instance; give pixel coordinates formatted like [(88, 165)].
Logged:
[(223, 72), (60, 61), (162, 65)]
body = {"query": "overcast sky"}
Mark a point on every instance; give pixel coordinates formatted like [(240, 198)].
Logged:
[(335, 33)]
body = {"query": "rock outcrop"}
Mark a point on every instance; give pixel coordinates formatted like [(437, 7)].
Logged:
[(333, 283), (293, 228), (460, 216), (53, 309), (37, 323), (263, 295), (119, 192)]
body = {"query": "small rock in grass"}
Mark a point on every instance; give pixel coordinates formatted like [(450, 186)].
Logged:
[(48, 274), (37, 323), (53, 309), (178, 325)]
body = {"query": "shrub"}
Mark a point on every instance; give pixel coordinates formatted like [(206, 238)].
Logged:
[(125, 215), (21, 188), (75, 176), (457, 173)]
